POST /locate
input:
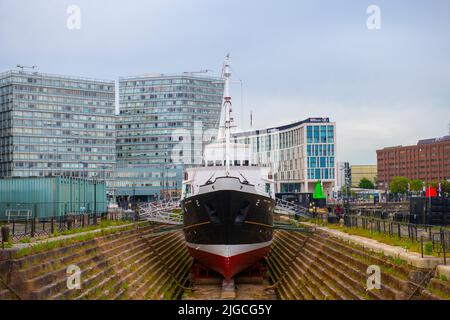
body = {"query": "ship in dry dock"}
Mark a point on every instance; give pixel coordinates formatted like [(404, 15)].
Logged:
[(228, 202)]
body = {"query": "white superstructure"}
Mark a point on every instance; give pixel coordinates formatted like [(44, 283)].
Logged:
[(227, 159)]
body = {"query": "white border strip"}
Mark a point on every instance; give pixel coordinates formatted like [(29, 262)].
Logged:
[(226, 250)]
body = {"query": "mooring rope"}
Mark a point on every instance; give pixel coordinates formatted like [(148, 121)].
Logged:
[(420, 284)]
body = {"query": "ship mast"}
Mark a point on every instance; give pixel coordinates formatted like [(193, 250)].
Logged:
[(227, 109)]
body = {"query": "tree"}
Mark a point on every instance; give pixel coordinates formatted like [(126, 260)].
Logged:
[(445, 186), (366, 184), (399, 185), (416, 185)]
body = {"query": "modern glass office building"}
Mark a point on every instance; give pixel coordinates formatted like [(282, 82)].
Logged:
[(300, 153), (161, 128), (56, 125)]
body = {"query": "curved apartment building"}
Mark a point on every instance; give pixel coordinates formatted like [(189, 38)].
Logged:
[(300, 153)]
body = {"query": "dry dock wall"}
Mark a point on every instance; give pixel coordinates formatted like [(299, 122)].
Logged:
[(129, 264), (323, 267)]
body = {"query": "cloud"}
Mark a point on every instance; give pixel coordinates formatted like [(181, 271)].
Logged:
[(361, 129), (298, 59)]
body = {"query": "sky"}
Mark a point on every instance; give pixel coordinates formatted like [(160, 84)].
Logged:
[(296, 59)]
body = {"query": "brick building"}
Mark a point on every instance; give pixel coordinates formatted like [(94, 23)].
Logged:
[(429, 161)]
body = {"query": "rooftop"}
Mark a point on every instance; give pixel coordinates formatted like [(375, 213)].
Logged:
[(197, 75), (10, 73), (422, 142), (281, 128), (434, 140)]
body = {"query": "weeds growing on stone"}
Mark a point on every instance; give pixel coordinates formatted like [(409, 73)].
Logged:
[(406, 243)]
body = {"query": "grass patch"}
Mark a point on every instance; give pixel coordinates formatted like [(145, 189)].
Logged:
[(439, 293), (101, 225), (50, 245), (8, 244), (406, 243), (25, 240), (397, 261)]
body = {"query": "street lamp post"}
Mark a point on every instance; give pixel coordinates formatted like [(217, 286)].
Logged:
[(104, 197), (95, 199), (167, 182), (134, 202)]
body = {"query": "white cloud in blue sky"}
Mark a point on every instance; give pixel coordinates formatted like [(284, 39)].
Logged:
[(297, 59)]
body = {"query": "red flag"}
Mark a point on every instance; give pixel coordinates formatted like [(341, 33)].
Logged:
[(431, 192)]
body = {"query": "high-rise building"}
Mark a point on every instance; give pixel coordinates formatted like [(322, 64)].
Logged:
[(300, 154), (161, 128), (56, 125), (428, 161)]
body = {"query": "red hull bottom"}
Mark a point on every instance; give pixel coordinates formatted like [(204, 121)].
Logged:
[(232, 265)]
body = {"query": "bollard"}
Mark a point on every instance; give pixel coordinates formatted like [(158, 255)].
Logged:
[(33, 227), (52, 225), (69, 221), (5, 235), (444, 247), (421, 245)]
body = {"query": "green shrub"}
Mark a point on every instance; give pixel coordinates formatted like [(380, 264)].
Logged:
[(443, 277), (428, 248), (398, 261)]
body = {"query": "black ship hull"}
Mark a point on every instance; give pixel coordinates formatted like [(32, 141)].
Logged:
[(228, 230)]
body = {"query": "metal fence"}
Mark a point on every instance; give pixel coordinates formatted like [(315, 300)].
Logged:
[(399, 214), (47, 210), (407, 214), (438, 237), (34, 227)]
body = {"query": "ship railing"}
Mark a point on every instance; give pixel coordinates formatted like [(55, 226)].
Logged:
[(291, 208), (166, 211)]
